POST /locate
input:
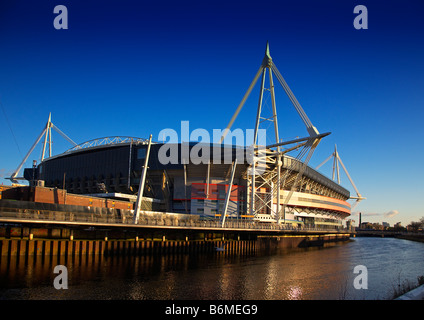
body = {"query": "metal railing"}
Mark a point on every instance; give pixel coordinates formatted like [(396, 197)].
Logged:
[(147, 218)]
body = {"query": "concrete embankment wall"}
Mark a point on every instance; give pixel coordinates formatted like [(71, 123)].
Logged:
[(53, 247), (287, 242), (25, 247), (412, 237)]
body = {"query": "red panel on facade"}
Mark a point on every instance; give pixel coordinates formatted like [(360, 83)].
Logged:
[(216, 191)]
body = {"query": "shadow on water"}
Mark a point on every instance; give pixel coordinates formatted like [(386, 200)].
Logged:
[(307, 273)]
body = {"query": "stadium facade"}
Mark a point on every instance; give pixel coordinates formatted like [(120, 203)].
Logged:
[(113, 168)]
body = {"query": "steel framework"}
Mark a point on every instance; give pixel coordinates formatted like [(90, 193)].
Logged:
[(336, 174), (272, 179), (107, 141), (47, 133)]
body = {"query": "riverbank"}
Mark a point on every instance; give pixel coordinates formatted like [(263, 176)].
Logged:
[(29, 247), (419, 237), (412, 237), (415, 294)]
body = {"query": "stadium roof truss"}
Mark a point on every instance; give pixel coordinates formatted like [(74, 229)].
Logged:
[(107, 141)]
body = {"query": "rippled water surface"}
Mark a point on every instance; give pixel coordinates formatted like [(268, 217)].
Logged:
[(324, 273)]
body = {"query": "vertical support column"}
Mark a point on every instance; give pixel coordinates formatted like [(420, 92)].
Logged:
[(142, 182), (50, 139), (278, 187), (277, 139), (227, 197), (207, 180), (47, 131), (129, 165), (185, 188), (253, 186), (274, 109), (337, 164), (258, 115)]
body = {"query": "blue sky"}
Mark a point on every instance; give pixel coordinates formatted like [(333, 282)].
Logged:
[(133, 68)]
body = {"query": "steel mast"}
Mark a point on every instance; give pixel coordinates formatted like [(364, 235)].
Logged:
[(336, 161), (47, 136), (273, 179)]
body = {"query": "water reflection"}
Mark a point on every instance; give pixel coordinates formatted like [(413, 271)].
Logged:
[(324, 273)]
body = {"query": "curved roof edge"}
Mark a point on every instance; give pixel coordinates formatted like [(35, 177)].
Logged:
[(105, 141)]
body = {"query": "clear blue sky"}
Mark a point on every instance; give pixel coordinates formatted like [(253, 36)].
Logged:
[(134, 68)]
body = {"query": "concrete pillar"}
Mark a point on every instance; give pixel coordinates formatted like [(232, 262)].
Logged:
[(76, 248), (47, 247), (90, 248), (22, 250), (83, 248), (30, 250), (102, 247), (137, 248), (4, 247), (62, 247), (121, 247), (68, 248), (13, 247), (38, 247), (55, 247)]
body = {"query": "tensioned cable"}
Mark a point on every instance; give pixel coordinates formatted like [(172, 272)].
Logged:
[(10, 128), (291, 96)]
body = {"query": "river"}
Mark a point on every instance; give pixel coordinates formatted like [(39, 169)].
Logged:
[(308, 274)]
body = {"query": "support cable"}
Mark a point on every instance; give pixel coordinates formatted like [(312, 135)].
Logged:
[(291, 96)]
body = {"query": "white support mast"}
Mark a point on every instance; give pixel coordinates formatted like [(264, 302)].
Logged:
[(274, 181), (228, 195), (336, 160), (142, 183), (47, 136)]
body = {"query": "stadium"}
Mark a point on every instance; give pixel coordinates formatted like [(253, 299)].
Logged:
[(258, 182), (114, 168)]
